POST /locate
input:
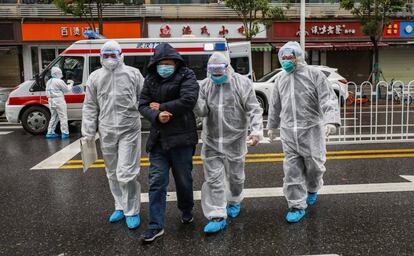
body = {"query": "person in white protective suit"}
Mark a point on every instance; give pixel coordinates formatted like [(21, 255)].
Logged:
[(55, 92), (306, 109), (229, 106), (111, 107)]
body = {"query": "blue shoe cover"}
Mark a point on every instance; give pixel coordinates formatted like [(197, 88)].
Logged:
[(133, 222), (52, 136), (295, 215), (116, 216), (65, 135), (312, 197), (214, 226), (233, 210)]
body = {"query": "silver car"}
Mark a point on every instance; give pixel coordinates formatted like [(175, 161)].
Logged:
[(263, 86)]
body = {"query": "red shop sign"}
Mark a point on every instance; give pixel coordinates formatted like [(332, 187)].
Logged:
[(319, 30)]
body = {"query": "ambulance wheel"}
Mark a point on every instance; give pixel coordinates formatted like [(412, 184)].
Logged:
[(35, 120)]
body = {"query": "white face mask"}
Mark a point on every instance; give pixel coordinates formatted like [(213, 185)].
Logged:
[(110, 63)]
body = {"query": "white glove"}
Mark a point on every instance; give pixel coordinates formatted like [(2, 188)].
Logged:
[(253, 140), (271, 133), (70, 83), (330, 129), (87, 139)]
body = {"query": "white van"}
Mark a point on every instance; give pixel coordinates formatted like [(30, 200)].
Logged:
[(28, 103)]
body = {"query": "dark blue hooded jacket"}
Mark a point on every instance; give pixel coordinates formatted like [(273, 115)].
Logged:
[(176, 94)]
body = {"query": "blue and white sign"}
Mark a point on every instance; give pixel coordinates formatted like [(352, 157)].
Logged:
[(407, 28)]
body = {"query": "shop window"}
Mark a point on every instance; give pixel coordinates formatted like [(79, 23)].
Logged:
[(257, 59), (47, 55), (240, 65), (7, 31), (9, 67), (35, 60)]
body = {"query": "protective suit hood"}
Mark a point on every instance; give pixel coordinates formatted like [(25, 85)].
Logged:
[(56, 72), (220, 58), (112, 47), (297, 50)]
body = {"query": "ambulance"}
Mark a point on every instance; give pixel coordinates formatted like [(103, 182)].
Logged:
[(28, 104)]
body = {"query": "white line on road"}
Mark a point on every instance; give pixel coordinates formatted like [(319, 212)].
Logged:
[(10, 127), (4, 133), (59, 158), (265, 140), (326, 190)]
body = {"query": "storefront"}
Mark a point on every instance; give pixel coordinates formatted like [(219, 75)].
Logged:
[(337, 44), (232, 30), (43, 42), (10, 52), (397, 61)]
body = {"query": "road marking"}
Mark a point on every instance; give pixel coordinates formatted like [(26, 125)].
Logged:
[(264, 160), (5, 133), (326, 190), (10, 127), (259, 160), (59, 158)]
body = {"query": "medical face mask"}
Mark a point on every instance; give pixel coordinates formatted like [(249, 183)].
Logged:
[(288, 65), (110, 63), (165, 71), (218, 79)]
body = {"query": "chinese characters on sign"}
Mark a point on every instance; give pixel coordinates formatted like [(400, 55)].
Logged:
[(204, 31), (187, 30), (332, 30), (165, 30), (73, 31)]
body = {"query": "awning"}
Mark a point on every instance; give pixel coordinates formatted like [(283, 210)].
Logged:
[(336, 46), (310, 46), (261, 48), (356, 45)]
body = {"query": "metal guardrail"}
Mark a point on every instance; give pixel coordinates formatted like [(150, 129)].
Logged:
[(377, 114)]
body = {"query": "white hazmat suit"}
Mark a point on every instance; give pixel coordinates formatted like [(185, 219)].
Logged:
[(302, 105), (55, 92), (229, 110), (111, 106)]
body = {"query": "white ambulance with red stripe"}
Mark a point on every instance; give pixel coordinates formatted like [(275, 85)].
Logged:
[(28, 104)]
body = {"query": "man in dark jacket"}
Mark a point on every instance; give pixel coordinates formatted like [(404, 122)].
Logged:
[(167, 100)]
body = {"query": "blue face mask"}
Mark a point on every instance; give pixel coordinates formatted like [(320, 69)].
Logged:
[(165, 71), (218, 79), (288, 65)]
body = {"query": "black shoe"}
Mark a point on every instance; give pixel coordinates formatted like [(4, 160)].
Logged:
[(150, 234), (187, 217)]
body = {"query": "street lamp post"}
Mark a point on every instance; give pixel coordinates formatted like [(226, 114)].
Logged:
[(302, 24)]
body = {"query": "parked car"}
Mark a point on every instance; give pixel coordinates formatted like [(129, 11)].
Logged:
[(4, 94), (263, 86)]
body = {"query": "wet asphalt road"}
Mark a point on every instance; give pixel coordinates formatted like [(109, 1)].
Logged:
[(65, 212)]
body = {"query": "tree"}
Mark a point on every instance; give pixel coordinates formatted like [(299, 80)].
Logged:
[(84, 9), (253, 13), (374, 15)]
